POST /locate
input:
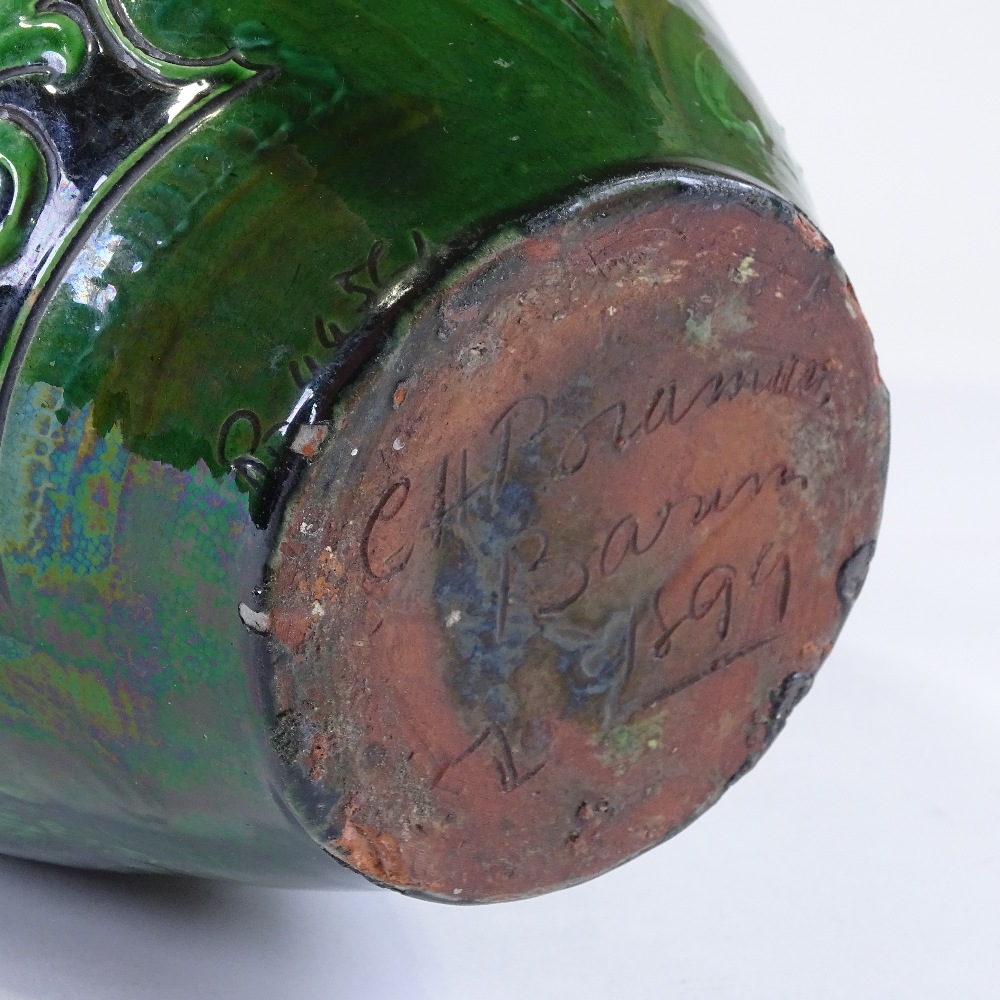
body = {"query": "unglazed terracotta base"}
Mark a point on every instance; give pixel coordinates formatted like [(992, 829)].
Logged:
[(578, 540)]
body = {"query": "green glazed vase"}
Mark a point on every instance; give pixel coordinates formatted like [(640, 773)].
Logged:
[(436, 444)]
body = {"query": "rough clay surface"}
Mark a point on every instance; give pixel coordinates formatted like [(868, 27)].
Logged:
[(576, 545)]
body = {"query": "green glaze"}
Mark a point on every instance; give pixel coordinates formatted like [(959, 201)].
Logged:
[(23, 181), (319, 154), (36, 44), (363, 141)]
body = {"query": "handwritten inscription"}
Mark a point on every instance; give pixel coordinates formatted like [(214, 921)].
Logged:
[(524, 424), (727, 615), (360, 285), (502, 759), (623, 540), (667, 406), (720, 594), (523, 573), (246, 464)]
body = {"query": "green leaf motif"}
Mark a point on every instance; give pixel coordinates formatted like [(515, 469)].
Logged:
[(23, 183), (38, 43)]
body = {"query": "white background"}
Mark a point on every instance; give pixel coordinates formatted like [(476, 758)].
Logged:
[(862, 858)]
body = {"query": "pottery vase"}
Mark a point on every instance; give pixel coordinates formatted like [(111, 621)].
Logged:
[(436, 444)]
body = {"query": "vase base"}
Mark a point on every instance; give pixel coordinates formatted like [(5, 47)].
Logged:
[(578, 540)]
